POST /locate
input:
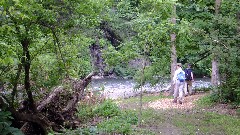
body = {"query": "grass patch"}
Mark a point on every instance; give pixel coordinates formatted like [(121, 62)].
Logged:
[(152, 117), (145, 98), (205, 101), (207, 123)]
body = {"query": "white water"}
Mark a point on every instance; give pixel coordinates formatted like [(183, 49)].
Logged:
[(124, 88)]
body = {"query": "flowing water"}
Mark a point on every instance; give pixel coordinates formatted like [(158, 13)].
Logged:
[(124, 88)]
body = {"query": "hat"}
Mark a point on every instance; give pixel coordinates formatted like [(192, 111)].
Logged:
[(179, 64)]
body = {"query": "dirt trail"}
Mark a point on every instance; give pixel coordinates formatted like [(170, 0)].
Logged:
[(166, 103)]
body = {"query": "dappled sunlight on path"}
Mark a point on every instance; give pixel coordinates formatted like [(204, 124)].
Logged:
[(166, 103)]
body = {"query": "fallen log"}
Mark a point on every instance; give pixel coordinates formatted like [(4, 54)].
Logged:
[(78, 87), (50, 98), (52, 111)]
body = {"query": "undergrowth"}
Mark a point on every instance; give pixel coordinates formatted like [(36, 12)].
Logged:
[(6, 124), (112, 120)]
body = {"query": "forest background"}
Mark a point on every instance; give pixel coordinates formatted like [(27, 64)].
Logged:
[(53, 43)]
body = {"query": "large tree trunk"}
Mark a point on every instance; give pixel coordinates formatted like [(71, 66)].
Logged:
[(215, 80), (173, 50)]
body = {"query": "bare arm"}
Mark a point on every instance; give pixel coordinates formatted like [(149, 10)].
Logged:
[(192, 76)]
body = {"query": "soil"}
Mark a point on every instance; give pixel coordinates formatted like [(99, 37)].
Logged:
[(166, 103), (189, 104)]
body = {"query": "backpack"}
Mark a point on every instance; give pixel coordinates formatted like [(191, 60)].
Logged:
[(188, 74), (181, 76)]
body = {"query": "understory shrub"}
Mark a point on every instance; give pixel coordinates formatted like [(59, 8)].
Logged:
[(91, 130), (5, 124), (208, 100), (229, 91), (107, 109), (113, 119), (121, 124), (85, 112)]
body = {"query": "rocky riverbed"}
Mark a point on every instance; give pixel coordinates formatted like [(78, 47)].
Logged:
[(124, 88)]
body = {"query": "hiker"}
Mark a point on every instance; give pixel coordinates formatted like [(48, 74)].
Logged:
[(188, 81), (178, 78)]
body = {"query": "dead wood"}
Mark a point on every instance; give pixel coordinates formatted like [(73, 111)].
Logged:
[(54, 110), (50, 98), (78, 87)]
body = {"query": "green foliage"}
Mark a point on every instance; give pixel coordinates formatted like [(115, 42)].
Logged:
[(120, 124), (107, 109), (59, 34), (125, 71), (85, 112), (238, 112), (91, 130), (206, 101), (5, 124), (230, 91), (114, 119)]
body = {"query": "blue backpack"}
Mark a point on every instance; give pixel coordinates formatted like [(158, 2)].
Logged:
[(181, 76)]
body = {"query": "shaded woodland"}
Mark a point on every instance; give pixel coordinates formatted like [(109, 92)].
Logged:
[(50, 50)]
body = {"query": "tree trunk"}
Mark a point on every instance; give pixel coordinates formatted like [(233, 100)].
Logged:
[(96, 55), (173, 51), (215, 80), (215, 73), (26, 63)]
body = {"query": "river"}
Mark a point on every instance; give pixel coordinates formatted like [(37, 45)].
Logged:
[(124, 88)]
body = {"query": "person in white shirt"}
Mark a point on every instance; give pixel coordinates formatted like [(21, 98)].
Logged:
[(179, 84)]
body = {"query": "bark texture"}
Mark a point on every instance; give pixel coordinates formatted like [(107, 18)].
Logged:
[(173, 50), (215, 80)]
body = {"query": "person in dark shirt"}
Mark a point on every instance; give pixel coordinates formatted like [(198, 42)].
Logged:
[(188, 81)]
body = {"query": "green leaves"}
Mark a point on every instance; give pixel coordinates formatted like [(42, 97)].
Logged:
[(5, 124)]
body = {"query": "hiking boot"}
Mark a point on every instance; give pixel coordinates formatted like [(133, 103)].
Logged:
[(174, 100), (180, 102)]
